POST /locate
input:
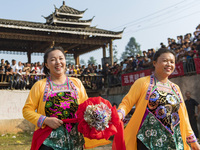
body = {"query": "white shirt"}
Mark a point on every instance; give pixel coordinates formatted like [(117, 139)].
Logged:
[(14, 67)]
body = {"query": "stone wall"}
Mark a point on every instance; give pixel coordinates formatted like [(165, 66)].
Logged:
[(11, 118)]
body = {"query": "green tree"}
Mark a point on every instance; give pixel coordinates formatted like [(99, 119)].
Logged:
[(92, 60), (70, 59), (131, 49), (82, 62), (115, 52)]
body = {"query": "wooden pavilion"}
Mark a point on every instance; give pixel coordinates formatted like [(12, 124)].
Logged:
[(63, 27)]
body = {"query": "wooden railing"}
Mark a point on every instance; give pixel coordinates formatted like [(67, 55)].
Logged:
[(89, 81)]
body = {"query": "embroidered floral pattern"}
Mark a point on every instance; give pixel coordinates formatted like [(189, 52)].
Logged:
[(150, 87), (60, 139), (65, 105), (61, 102), (191, 139), (160, 129), (165, 109), (40, 121), (154, 96), (62, 106), (155, 136)]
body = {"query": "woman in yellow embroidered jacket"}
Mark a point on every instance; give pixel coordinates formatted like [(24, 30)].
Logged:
[(56, 98), (160, 120)]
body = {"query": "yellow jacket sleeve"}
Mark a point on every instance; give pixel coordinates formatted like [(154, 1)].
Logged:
[(133, 96), (33, 103)]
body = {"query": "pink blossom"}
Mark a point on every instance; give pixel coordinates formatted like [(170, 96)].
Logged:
[(65, 105), (68, 127), (53, 94)]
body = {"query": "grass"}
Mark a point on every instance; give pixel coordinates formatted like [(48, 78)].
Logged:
[(22, 141)]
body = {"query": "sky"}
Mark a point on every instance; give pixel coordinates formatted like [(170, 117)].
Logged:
[(150, 22)]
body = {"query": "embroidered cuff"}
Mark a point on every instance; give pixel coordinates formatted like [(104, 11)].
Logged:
[(40, 121), (123, 113), (191, 139)]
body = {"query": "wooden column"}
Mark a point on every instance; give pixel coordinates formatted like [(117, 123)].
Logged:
[(104, 51), (76, 57), (111, 52), (52, 44), (29, 56)]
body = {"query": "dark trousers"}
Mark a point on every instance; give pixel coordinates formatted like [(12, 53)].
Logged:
[(193, 123), (141, 146), (44, 147)]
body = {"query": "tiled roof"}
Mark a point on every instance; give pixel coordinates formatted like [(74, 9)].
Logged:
[(67, 9), (34, 26), (73, 20), (70, 22)]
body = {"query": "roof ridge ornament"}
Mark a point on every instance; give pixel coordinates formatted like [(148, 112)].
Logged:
[(63, 3), (123, 29), (55, 7)]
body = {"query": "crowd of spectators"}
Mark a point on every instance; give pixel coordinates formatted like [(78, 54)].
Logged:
[(24, 75), (19, 74), (185, 47)]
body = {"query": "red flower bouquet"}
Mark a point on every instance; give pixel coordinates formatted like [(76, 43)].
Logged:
[(97, 118)]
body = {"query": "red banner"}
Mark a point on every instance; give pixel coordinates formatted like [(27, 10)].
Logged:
[(130, 78), (197, 64), (178, 71)]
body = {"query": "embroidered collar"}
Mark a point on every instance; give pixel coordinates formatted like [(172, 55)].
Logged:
[(151, 85), (49, 85)]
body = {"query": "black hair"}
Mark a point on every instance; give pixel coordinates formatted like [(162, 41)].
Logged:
[(162, 51), (46, 70), (115, 104)]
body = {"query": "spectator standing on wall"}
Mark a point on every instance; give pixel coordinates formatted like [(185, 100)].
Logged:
[(125, 65), (36, 68), (27, 68), (21, 82), (2, 71), (198, 47), (134, 64), (106, 69), (2, 67), (2, 62), (20, 66), (14, 66), (146, 62), (99, 69), (9, 73), (144, 53), (190, 105)]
